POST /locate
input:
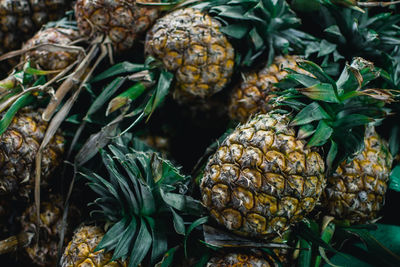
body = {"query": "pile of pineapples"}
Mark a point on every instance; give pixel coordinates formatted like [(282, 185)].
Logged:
[(199, 133)]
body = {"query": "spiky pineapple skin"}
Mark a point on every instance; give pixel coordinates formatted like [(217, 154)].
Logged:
[(355, 192), (262, 178), (80, 250), (42, 57), (192, 46), (241, 260), (44, 252), (121, 21), (256, 88), (19, 19), (18, 147)]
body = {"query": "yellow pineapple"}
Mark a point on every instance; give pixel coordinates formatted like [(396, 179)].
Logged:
[(257, 88), (18, 147), (46, 59), (80, 250), (270, 172), (41, 252), (355, 192), (20, 19), (263, 178), (191, 44), (121, 21), (242, 260)]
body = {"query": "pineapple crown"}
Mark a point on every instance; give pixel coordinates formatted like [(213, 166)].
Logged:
[(258, 26), (334, 112), (373, 37), (142, 197)]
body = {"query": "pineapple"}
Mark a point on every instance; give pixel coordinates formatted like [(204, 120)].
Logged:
[(257, 88), (141, 201), (18, 147), (265, 176), (121, 21), (44, 252), (160, 143), (355, 192), (241, 259), (21, 18), (191, 44), (204, 44), (81, 250), (45, 59)]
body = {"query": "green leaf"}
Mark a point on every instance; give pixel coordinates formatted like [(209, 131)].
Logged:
[(121, 182), (182, 202), (317, 71), (113, 236), (105, 95), (141, 246), (321, 91), (352, 121), (334, 30), (120, 68), (126, 97), (191, 227), (326, 48), (305, 256), (162, 89), (321, 135), (374, 245), (346, 260), (303, 79), (326, 236), (394, 183), (330, 158), (237, 31), (310, 233), (168, 258), (179, 224), (125, 242), (148, 207), (312, 112), (159, 236), (22, 101)]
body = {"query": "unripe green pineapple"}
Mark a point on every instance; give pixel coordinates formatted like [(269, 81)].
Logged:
[(356, 190), (262, 179)]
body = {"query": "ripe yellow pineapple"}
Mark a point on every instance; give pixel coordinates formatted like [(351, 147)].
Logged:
[(43, 57), (41, 252), (80, 250), (121, 21), (356, 190), (19, 19), (257, 88), (242, 260), (18, 147), (269, 173), (191, 45), (262, 179)]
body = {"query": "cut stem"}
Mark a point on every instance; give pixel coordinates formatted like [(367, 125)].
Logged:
[(16, 242)]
